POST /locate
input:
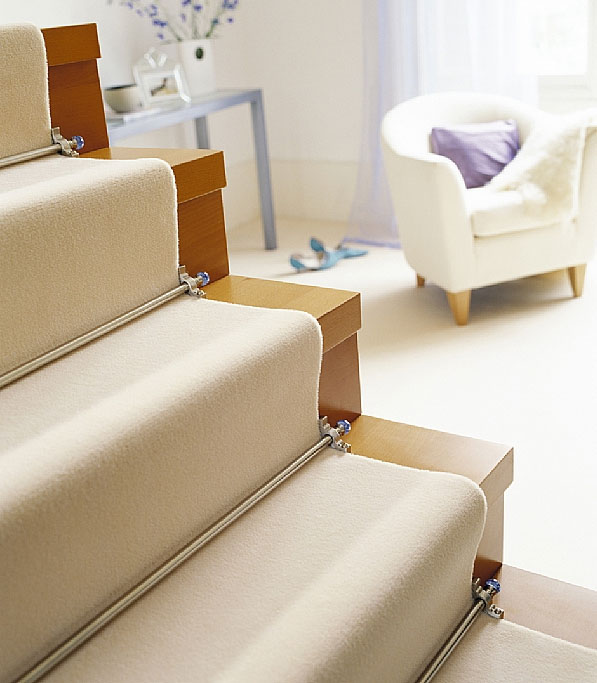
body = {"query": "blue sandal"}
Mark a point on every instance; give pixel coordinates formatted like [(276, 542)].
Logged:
[(315, 261), (323, 258), (345, 252)]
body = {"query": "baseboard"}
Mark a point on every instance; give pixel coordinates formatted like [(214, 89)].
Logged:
[(303, 189), (316, 190), (311, 190)]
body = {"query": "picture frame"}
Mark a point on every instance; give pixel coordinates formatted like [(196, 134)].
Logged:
[(162, 86), (160, 79)]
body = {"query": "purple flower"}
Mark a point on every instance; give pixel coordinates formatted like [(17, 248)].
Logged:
[(183, 23)]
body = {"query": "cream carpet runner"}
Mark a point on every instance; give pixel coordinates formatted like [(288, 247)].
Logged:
[(117, 455), (24, 105), (334, 577)]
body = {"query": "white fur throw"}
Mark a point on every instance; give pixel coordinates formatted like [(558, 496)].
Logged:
[(24, 105), (546, 170)]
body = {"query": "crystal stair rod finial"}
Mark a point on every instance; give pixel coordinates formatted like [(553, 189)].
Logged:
[(482, 602), (203, 277), (343, 427), (70, 147), (193, 284), (59, 144), (77, 142), (486, 594), (335, 433)]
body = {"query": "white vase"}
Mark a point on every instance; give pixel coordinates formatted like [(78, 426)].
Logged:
[(197, 60)]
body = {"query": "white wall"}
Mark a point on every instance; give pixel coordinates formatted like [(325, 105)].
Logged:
[(122, 35), (307, 58)]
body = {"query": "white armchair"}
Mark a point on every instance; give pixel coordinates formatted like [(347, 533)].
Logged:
[(461, 238)]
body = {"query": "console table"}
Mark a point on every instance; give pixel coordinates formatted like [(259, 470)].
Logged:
[(197, 110)]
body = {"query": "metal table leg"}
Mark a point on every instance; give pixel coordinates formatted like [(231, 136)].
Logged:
[(201, 133), (263, 171)]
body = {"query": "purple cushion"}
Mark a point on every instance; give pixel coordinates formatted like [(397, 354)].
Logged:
[(480, 150)]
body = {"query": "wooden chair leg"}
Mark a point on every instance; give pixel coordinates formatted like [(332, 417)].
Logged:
[(577, 278), (420, 280), (460, 304)]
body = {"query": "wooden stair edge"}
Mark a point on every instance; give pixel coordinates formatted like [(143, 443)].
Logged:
[(76, 104), (337, 311), (488, 464), (197, 171), (550, 606), (69, 44)]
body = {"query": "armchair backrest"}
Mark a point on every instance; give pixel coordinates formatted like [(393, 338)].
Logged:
[(407, 126)]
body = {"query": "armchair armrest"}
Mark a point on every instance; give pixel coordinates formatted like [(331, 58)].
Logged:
[(428, 194), (587, 198)]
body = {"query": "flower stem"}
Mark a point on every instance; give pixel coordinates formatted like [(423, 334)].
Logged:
[(214, 22)]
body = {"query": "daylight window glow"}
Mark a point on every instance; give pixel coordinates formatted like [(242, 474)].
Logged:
[(559, 37)]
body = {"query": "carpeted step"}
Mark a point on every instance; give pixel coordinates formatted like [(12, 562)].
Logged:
[(82, 241), (352, 570), (496, 651), (115, 456), (79, 249)]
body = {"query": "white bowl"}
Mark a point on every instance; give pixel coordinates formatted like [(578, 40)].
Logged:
[(124, 98)]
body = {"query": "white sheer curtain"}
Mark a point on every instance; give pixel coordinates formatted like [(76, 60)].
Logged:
[(476, 45), (414, 47), (391, 75)]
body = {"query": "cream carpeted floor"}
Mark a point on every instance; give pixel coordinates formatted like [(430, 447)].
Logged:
[(523, 372)]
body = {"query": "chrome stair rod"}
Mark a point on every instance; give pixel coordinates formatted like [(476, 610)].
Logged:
[(188, 285), (60, 144), (28, 156), (329, 437), (482, 603)]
